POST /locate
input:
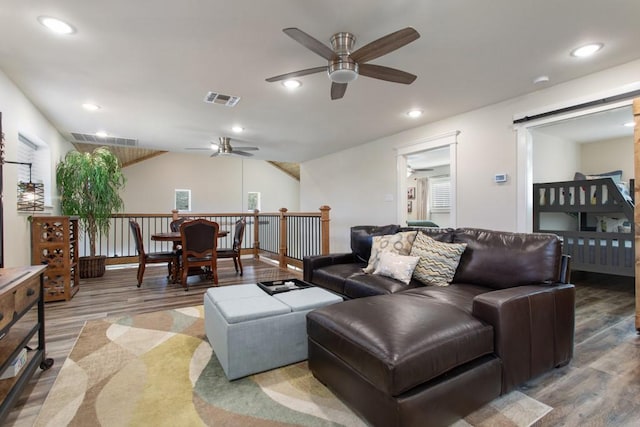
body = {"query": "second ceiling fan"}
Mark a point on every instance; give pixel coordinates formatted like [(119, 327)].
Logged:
[(225, 149), (344, 64)]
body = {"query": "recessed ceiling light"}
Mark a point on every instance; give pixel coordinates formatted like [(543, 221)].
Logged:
[(237, 129), (586, 50), (56, 25), (630, 124), (91, 107), (291, 84), (101, 134), (541, 79), (414, 114)]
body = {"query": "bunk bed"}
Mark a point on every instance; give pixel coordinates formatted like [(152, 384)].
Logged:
[(594, 218)]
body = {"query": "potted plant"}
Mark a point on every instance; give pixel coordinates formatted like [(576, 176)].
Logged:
[(88, 184)]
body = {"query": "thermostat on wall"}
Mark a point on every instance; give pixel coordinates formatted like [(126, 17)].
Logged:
[(501, 177)]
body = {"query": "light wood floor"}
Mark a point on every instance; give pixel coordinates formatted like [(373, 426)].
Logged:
[(600, 387)]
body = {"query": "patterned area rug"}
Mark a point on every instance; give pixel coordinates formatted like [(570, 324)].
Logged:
[(158, 369)]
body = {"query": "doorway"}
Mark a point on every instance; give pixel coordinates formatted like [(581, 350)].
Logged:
[(427, 181), (558, 144)]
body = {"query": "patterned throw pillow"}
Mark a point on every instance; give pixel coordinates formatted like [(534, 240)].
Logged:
[(399, 243), (399, 267), (438, 261)]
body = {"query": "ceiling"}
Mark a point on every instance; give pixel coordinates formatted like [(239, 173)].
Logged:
[(150, 63)]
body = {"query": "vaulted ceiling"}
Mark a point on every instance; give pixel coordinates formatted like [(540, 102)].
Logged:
[(150, 63)]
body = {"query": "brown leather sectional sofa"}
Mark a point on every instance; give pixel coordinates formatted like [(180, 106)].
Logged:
[(415, 355)]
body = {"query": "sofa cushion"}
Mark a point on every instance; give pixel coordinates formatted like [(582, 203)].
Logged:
[(333, 277), (500, 259), (438, 260), (397, 342), (366, 285), (361, 238), (399, 267), (459, 295), (399, 243)]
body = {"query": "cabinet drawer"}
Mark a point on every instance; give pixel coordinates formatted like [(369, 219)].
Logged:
[(26, 294), (7, 307)]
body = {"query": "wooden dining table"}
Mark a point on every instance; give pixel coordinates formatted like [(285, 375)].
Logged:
[(176, 238)]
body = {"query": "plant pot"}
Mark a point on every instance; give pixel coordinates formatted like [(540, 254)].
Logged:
[(90, 267)]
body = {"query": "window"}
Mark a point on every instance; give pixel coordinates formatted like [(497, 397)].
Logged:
[(183, 200), (31, 150), (253, 201), (440, 192)]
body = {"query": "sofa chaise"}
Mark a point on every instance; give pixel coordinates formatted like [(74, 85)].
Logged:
[(406, 354)]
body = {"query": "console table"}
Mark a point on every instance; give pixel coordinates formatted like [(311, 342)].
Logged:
[(21, 293)]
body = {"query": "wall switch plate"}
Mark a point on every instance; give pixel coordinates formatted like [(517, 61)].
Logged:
[(501, 177)]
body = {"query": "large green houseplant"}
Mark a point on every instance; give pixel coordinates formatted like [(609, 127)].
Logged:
[(89, 185)]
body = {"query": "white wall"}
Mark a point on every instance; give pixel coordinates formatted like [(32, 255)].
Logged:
[(217, 184), (357, 181), (607, 156), (554, 158), (20, 116)]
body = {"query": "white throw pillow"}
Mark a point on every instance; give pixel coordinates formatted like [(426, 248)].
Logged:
[(399, 267)]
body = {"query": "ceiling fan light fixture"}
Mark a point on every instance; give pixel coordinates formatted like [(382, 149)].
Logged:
[(344, 70)]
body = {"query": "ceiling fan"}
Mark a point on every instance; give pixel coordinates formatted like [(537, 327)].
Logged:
[(224, 148), (344, 64)]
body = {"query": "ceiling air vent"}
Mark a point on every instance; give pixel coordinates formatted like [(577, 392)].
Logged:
[(218, 98), (107, 140)]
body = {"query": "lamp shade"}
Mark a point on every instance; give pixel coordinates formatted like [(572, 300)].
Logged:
[(30, 196)]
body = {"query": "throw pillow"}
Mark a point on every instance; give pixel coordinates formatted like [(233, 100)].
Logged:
[(399, 243), (438, 260), (361, 239), (399, 267)]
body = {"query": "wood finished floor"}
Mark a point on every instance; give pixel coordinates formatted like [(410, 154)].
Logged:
[(600, 387)]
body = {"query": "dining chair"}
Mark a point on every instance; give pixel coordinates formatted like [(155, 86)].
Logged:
[(199, 245), (175, 224), (145, 258), (234, 252)]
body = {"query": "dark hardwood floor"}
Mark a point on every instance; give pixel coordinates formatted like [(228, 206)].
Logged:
[(600, 387)]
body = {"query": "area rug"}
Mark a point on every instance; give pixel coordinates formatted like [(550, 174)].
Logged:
[(158, 369)]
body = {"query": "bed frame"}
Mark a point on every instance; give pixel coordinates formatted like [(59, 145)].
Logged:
[(610, 252)]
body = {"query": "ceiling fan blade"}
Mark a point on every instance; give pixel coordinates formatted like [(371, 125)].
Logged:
[(386, 73), (296, 74), (216, 154), (241, 153), (245, 148), (310, 43), (338, 90), (384, 45)]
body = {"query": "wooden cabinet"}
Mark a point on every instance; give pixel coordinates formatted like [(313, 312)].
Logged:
[(54, 242), (20, 295)]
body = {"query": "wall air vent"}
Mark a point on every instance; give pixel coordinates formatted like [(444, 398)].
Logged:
[(107, 140), (218, 98)]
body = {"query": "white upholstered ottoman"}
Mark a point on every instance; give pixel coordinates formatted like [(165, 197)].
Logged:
[(251, 331)]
